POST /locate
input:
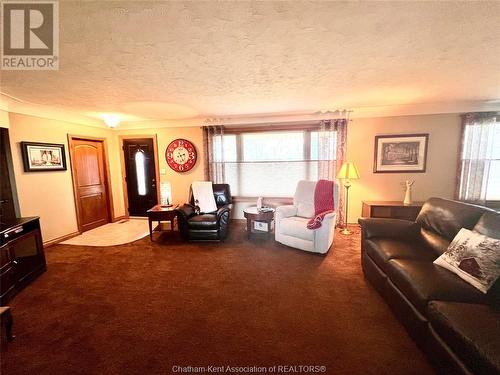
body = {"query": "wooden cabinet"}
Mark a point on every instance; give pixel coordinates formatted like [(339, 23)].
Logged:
[(391, 209), (21, 256), (7, 206)]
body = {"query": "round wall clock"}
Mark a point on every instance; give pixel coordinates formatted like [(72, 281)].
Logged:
[(181, 155)]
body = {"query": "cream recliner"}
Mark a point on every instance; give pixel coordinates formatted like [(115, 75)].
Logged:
[(291, 221)]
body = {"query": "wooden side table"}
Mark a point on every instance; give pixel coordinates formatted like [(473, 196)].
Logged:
[(161, 213), (391, 209), (255, 217)]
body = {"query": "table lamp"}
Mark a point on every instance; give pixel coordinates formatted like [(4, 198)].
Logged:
[(347, 172), (165, 194)]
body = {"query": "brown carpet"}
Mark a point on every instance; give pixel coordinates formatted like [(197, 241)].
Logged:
[(145, 307)]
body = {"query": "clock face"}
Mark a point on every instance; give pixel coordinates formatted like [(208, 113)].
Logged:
[(181, 155)]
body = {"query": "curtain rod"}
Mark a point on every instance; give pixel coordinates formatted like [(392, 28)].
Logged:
[(345, 114)]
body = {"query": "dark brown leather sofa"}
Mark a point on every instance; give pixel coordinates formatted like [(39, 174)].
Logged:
[(455, 324), (212, 226)]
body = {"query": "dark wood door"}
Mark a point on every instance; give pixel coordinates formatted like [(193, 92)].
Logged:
[(90, 183), (140, 175)]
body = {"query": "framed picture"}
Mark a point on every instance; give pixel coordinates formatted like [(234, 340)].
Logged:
[(404, 153), (42, 157)]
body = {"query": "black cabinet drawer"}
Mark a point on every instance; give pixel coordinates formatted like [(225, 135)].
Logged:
[(4, 257), (6, 283), (22, 256), (19, 230)]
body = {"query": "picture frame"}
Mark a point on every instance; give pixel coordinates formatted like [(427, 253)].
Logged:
[(401, 153), (43, 157)]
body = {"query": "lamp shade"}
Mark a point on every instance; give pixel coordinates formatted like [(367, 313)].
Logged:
[(165, 193), (348, 171)]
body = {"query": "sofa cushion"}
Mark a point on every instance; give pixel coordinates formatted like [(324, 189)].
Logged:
[(204, 221), (489, 224), (296, 227), (437, 243), (381, 250), (446, 217), (422, 282), (471, 331)]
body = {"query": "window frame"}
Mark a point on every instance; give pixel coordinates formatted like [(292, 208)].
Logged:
[(240, 131), (494, 204)]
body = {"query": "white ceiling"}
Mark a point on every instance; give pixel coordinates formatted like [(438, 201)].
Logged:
[(183, 61)]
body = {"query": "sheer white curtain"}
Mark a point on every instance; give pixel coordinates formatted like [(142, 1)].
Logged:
[(332, 149), (213, 142), (480, 148)]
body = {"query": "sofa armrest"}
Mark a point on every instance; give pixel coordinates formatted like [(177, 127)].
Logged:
[(285, 211), (186, 211), (392, 228)]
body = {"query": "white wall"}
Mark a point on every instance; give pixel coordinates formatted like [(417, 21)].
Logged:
[(50, 194), (4, 119), (439, 180)]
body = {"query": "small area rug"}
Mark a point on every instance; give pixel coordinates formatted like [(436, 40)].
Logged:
[(112, 234)]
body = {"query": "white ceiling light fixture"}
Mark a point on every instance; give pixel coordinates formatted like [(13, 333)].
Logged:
[(111, 120)]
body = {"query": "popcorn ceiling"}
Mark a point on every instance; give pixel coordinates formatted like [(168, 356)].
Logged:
[(219, 58)]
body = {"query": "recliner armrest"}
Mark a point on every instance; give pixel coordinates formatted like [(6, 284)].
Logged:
[(331, 215), (222, 210), (186, 211), (392, 228), (286, 211)]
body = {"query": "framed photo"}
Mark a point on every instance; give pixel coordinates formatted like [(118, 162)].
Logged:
[(42, 157), (404, 153)]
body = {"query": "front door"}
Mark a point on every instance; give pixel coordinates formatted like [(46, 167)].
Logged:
[(140, 175), (90, 183)]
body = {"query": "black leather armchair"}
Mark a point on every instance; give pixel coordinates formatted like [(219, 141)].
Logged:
[(211, 226)]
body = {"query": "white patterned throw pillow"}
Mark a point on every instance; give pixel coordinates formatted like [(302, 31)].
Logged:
[(473, 257)]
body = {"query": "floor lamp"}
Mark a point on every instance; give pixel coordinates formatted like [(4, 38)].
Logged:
[(347, 172)]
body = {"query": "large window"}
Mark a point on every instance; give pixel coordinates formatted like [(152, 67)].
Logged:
[(480, 159), (270, 163)]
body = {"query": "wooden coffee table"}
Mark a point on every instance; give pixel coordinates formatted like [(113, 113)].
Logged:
[(161, 213), (252, 214)]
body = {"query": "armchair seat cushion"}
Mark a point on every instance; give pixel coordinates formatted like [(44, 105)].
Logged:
[(296, 226), (422, 282), (203, 221), (381, 250)]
